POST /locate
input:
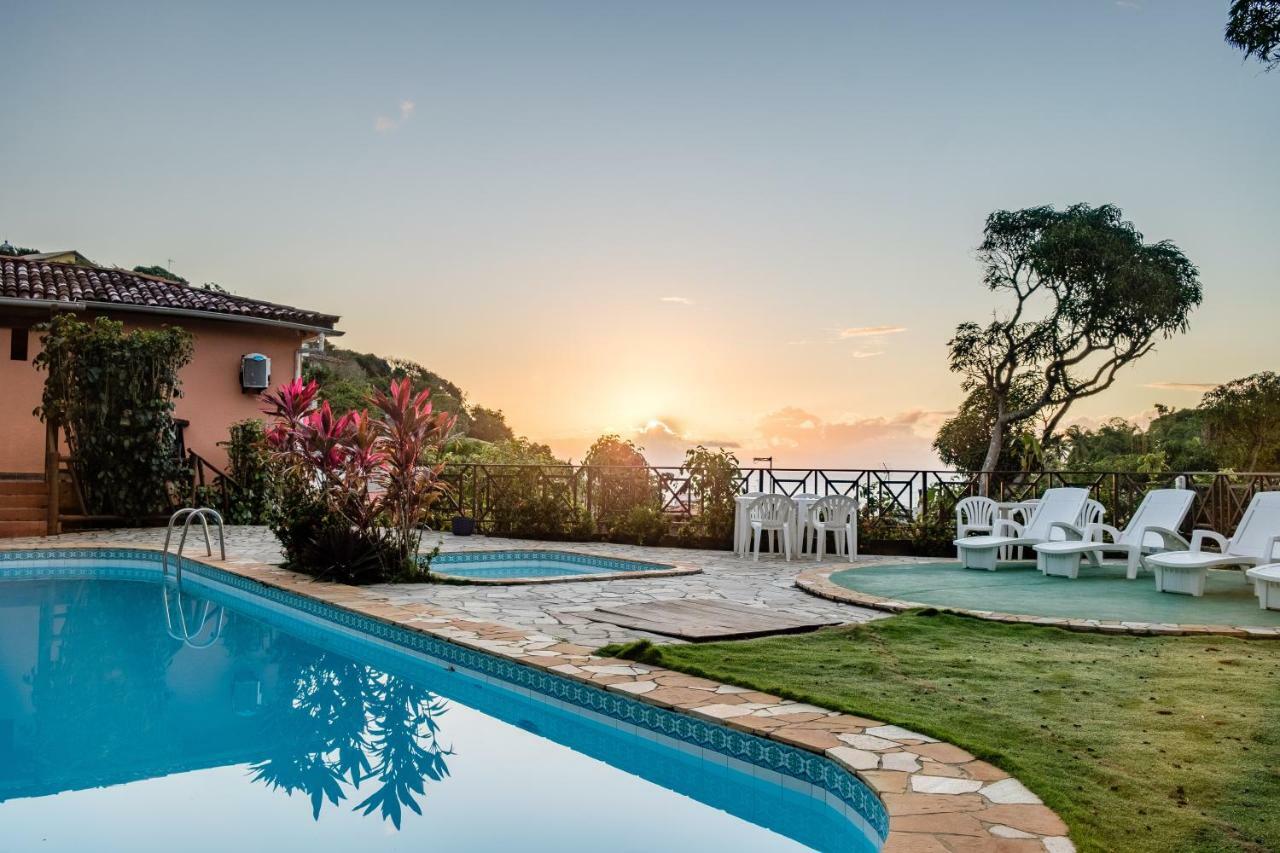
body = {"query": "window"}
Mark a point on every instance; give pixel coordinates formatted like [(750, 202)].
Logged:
[(18, 345)]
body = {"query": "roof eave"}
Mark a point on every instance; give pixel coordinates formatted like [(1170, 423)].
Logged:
[(165, 311)]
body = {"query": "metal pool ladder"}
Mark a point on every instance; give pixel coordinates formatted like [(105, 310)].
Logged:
[(182, 631), (187, 515)]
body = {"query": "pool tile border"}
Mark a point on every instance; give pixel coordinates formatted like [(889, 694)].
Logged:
[(934, 796), (818, 582), (616, 567)]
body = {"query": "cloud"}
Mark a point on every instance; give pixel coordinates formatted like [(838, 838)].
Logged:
[(864, 354), (869, 331), (1197, 387), (798, 438), (678, 300), (665, 443), (384, 124)]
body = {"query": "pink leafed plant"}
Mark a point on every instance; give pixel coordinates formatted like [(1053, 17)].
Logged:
[(363, 472), (406, 429)]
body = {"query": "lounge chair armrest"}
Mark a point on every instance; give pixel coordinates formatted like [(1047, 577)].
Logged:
[(1007, 527), (1073, 533), (1172, 539), (1269, 555), (1099, 532), (1198, 537)]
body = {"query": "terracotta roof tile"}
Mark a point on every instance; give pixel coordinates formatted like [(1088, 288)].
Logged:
[(41, 281)]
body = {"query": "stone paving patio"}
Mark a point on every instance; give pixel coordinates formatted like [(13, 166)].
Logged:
[(553, 608)]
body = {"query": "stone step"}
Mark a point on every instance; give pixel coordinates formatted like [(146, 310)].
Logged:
[(10, 529)]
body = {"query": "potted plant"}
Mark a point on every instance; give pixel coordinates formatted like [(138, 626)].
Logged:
[(462, 526)]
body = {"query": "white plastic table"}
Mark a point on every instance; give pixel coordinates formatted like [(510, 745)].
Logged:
[(742, 525)]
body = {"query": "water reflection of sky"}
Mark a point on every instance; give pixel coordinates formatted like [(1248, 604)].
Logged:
[(272, 742)]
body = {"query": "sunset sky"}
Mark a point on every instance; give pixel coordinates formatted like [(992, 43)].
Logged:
[(725, 222)]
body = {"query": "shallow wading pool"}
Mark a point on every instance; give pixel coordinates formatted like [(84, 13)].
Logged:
[(231, 716), (536, 566)]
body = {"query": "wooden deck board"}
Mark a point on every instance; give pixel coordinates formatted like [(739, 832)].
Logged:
[(703, 621)]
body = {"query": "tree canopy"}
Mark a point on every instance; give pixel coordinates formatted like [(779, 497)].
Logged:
[(1254, 27), (963, 439), (160, 272), (1104, 297), (489, 424), (346, 377), (1242, 419), (1173, 441), (612, 450)]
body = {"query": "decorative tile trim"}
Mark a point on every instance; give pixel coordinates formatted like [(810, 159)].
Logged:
[(818, 582)]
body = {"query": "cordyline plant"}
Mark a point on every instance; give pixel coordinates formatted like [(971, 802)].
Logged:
[(355, 478)]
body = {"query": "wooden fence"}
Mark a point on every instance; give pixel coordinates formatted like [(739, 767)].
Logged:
[(895, 505)]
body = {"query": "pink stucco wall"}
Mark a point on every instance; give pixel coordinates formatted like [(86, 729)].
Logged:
[(211, 401)]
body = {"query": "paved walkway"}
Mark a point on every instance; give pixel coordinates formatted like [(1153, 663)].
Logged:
[(554, 608)]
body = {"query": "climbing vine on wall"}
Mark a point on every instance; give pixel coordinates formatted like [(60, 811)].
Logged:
[(113, 393), (247, 462)]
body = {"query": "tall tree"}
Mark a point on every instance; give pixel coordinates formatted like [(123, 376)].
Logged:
[(1254, 27), (1105, 298), (1242, 420), (963, 438)]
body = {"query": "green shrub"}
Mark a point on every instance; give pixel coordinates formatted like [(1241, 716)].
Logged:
[(642, 525)]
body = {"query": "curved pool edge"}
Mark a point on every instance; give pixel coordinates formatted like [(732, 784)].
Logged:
[(817, 582), (932, 792), (659, 569)]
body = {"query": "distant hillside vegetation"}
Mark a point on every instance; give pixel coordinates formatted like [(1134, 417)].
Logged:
[(346, 377)]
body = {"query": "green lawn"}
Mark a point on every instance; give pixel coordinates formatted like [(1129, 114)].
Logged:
[(1141, 744)]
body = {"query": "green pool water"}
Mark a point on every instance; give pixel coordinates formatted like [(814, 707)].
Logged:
[(1099, 593)]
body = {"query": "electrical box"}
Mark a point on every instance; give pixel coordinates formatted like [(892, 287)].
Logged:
[(255, 372)]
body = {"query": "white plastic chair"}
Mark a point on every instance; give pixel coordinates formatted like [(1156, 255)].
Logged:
[(1255, 543), (771, 513), (975, 515), (742, 524), (1153, 528), (980, 552), (1093, 513), (838, 515)]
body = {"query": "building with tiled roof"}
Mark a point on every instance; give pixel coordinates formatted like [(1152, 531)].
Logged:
[(241, 344), (40, 280)]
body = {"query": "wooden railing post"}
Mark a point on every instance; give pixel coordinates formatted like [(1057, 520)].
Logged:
[(52, 478)]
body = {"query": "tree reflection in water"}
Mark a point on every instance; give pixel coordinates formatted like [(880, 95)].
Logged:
[(338, 724), (117, 694)]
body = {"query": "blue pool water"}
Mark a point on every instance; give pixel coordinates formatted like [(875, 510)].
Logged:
[(504, 565), (133, 718)]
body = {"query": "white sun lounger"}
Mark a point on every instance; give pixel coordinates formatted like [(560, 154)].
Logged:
[(1255, 543), (1057, 505), (1266, 585), (1152, 528)]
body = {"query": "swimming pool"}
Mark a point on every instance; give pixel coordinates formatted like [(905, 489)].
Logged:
[(236, 717), (536, 566)]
